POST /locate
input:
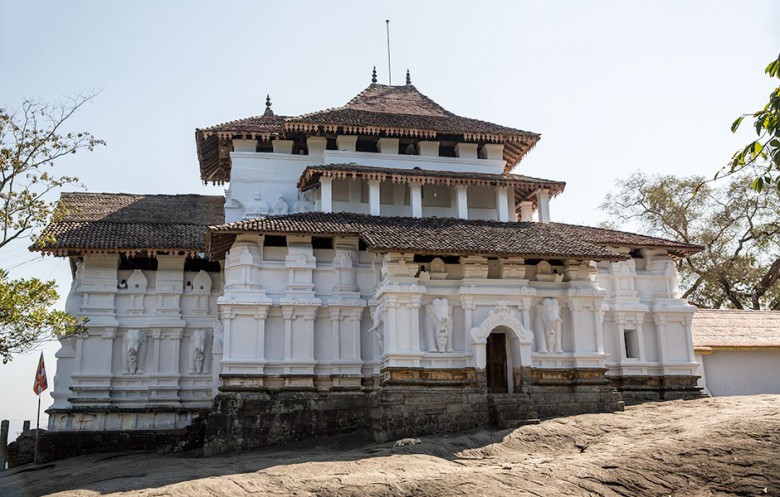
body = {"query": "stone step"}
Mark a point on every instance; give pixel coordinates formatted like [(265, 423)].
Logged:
[(516, 414), (515, 423), (507, 407)]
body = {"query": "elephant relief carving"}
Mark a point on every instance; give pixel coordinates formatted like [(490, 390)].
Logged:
[(548, 326), (377, 328), (438, 327), (133, 345), (198, 350)]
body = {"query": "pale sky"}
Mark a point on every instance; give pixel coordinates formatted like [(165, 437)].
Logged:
[(612, 86)]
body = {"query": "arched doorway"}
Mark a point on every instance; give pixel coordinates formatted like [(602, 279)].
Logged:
[(498, 363), (501, 343)]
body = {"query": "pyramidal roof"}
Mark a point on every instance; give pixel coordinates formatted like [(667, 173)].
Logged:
[(379, 110), (404, 111)]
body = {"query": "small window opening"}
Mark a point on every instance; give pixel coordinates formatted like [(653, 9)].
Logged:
[(632, 344), (275, 241), (322, 242)]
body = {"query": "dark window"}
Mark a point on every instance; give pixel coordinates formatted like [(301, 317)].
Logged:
[(196, 264), (275, 241), (138, 262), (322, 242)]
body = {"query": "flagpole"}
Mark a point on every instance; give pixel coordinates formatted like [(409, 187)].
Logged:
[(37, 431)]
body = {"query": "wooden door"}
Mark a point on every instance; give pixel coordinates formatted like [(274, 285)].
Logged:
[(496, 363)]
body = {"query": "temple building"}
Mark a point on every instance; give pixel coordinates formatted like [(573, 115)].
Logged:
[(378, 266)]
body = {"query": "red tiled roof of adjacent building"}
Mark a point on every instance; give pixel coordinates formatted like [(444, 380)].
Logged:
[(735, 329)]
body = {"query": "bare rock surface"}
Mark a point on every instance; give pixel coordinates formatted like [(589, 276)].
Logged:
[(706, 447)]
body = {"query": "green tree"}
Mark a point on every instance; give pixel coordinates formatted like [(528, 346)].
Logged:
[(738, 227), (32, 139), (762, 155)]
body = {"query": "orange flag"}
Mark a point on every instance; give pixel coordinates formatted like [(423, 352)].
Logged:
[(41, 383)]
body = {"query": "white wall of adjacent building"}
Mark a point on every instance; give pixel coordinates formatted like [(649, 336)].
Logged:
[(740, 371)]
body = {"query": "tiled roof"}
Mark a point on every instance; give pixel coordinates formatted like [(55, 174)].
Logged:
[(615, 238), (311, 175), (120, 222), (727, 328), (429, 235), (404, 107), (379, 109)]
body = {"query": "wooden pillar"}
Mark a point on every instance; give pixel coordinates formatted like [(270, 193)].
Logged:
[(415, 198), (501, 205), (326, 194), (543, 202), (373, 197), (526, 210), (463, 202)]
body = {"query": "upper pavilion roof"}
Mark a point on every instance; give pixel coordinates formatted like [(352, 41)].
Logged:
[(523, 186), (380, 110)]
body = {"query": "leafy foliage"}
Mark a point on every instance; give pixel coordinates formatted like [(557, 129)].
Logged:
[(762, 155), (27, 317), (31, 141), (738, 227)]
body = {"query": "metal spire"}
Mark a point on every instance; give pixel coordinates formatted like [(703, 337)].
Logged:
[(408, 78), (389, 70), (268, 110), (373, 75)]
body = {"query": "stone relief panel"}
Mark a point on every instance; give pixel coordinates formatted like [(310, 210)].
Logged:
[(198, 351), (304, 203), (280, 206), (132, 347), (548, 326), (257, 207), (377, 327), (438, 326)]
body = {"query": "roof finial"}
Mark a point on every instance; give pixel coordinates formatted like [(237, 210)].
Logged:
[(373, 75), (268, 110), (408, 78)]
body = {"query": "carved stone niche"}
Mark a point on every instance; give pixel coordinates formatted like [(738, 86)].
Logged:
[(344, 271), (580, 271), (438, 269), (544, 272), (475, 267), (136, 289), (396, 265), (513, 268), (201, 288)]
